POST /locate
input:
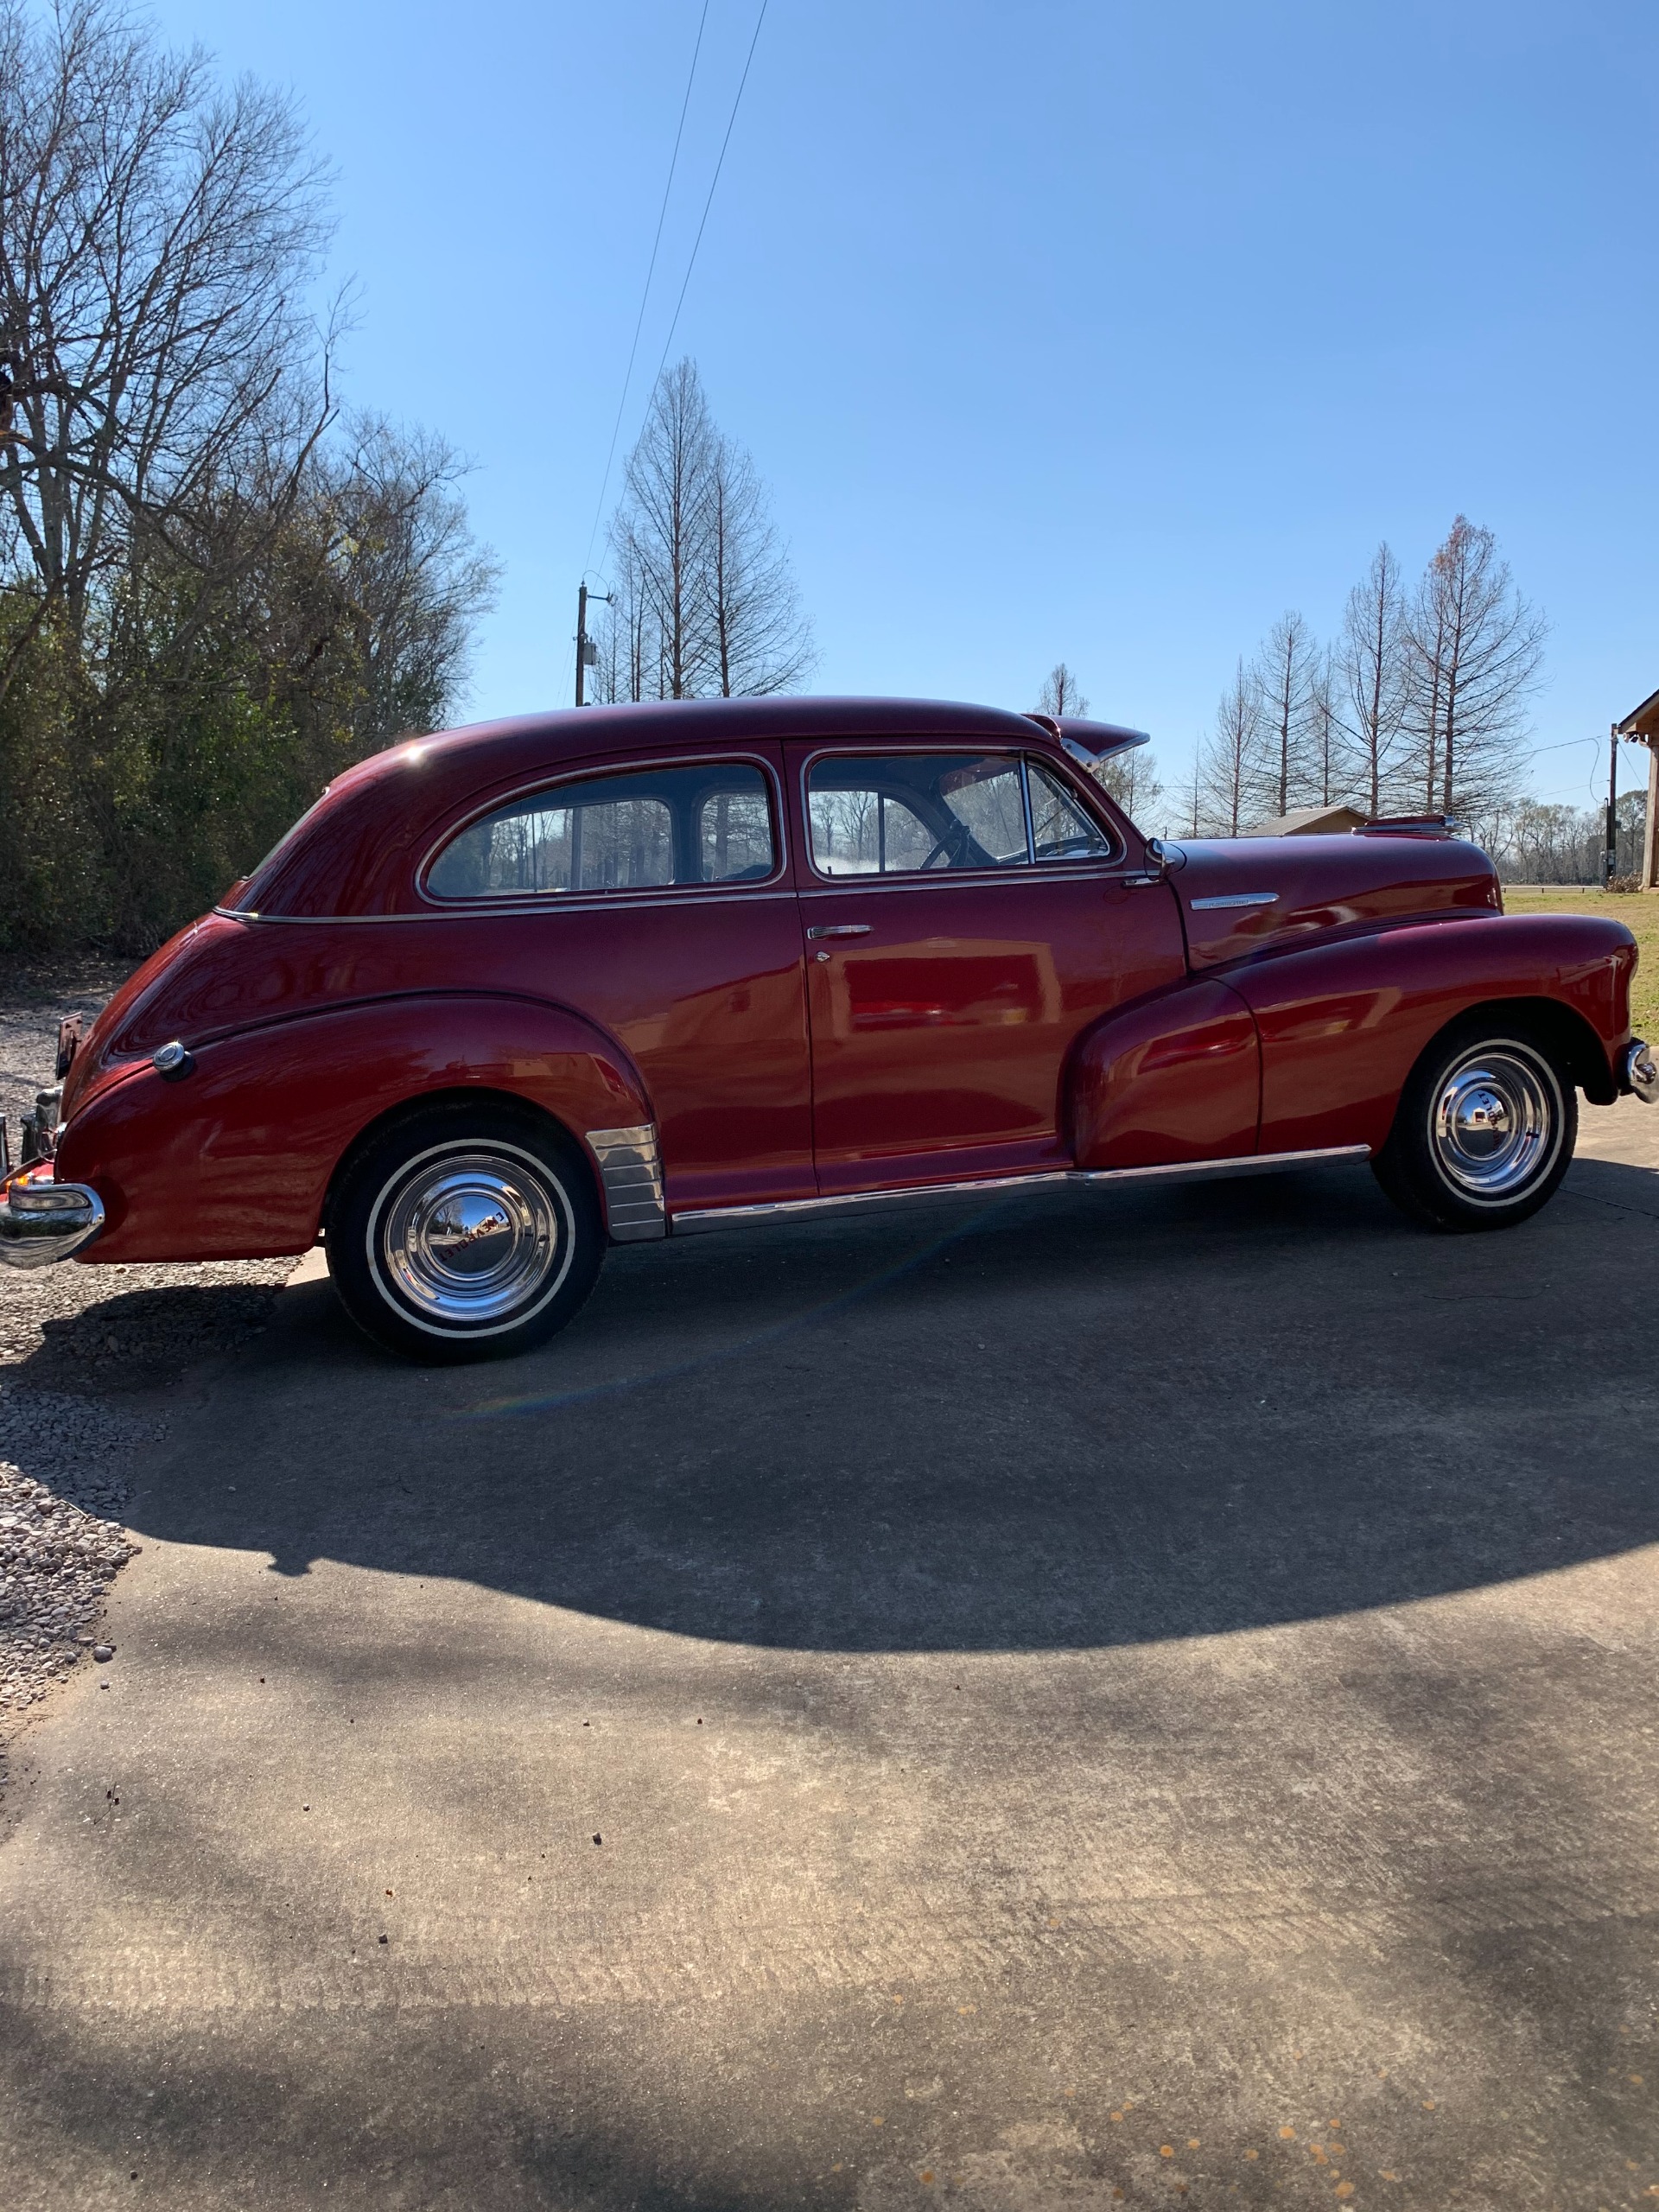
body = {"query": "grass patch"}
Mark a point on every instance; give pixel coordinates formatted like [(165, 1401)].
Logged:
[(1637, 910)]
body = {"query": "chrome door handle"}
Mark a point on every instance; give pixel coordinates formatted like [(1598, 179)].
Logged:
[(839, 929)]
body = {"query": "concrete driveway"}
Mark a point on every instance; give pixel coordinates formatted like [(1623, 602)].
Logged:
[(1145, 1699)]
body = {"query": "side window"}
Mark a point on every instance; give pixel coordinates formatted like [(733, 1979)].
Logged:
[(1060, 830), (735, 835), (641, 830), (906, 814)]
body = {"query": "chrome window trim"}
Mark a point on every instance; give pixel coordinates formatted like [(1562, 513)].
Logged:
[(539, 900), (483, 910), (854, 887), (1065, 776), (1034, 868)]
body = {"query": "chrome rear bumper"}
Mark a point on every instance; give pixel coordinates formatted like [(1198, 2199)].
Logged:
[(45, 1222)]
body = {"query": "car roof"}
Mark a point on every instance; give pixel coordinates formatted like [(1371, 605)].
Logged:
[(696, 724), (356, 851)]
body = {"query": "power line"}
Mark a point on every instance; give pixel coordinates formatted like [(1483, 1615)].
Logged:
[(720, 165), (639, 319), (714, 181)]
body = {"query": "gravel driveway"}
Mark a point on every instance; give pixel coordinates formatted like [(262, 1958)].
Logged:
[(87, 1357)]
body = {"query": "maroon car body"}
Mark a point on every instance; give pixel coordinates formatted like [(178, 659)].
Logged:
[(841, 1018)]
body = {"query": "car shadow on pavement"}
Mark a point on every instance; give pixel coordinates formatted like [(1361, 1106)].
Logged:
[(1049, 1424), (352, 1931)]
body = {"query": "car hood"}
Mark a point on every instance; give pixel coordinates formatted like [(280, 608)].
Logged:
[(1241, 896)]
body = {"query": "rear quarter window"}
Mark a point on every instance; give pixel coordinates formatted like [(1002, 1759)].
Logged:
[(643, 830)]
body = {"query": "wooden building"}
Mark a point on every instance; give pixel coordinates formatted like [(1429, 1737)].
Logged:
[(1309, 822)]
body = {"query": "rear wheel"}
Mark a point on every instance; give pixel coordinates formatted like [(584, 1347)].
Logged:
[(465, 1233), (1484, 1132)]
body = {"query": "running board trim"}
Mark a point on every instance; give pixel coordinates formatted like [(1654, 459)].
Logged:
[(698, 1221)]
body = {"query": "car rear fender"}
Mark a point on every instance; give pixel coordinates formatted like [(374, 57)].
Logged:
[(236, 1160)]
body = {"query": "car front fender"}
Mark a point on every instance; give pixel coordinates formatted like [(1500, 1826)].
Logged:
[(1343, 1024)]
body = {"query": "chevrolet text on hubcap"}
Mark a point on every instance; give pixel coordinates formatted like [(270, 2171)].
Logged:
[(467, 1238), (1497, 1124)]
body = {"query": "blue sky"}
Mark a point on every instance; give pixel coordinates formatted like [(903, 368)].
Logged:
[(1095, 332)]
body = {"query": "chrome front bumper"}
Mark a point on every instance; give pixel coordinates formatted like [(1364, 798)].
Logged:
[(1641, 1072), (41, 1223)]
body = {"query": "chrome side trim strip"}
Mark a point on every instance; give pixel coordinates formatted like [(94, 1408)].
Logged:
[(1199, 1170), (631, 1170), (1236, 899), (698, 1221)]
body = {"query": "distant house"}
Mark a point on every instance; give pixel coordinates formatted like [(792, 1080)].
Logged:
[(1312, 822), (1642, 724)]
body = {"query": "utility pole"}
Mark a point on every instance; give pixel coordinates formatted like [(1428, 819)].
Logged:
[(1611, 857), (586, 647), (587, 651)]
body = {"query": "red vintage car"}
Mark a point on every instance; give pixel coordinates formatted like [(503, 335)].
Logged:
[(509, 994)]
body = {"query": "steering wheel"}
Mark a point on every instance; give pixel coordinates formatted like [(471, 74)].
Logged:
[(952, 843)]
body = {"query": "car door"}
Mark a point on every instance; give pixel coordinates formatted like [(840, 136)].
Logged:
[(966, 915), (653, 898)]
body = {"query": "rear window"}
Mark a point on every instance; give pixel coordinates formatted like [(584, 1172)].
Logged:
[(638, 832)]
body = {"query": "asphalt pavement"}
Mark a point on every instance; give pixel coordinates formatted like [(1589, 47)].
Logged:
[(1147, 1698)]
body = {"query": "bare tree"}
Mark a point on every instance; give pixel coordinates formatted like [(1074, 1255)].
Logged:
[(1325, 734), (412, 582), (1286, 673), (1060, 694), (208, 604), (1475, 648), (1373, 682), (1230, 759), (1532, 842), (1426, 642), (661, 532), (157, 236), (1131, 776), (1193, 796), (625, 636), (702, 596), (759, 640)]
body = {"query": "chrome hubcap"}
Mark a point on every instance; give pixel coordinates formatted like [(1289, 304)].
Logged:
[(469, 1237), (1496, 1123)]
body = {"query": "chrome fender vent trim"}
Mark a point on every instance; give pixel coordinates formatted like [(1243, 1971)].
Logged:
[(1235, 899), (631, 1171)]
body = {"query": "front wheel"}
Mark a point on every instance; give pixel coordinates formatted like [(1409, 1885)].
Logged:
[(465, 1233), (1484, 1133)]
